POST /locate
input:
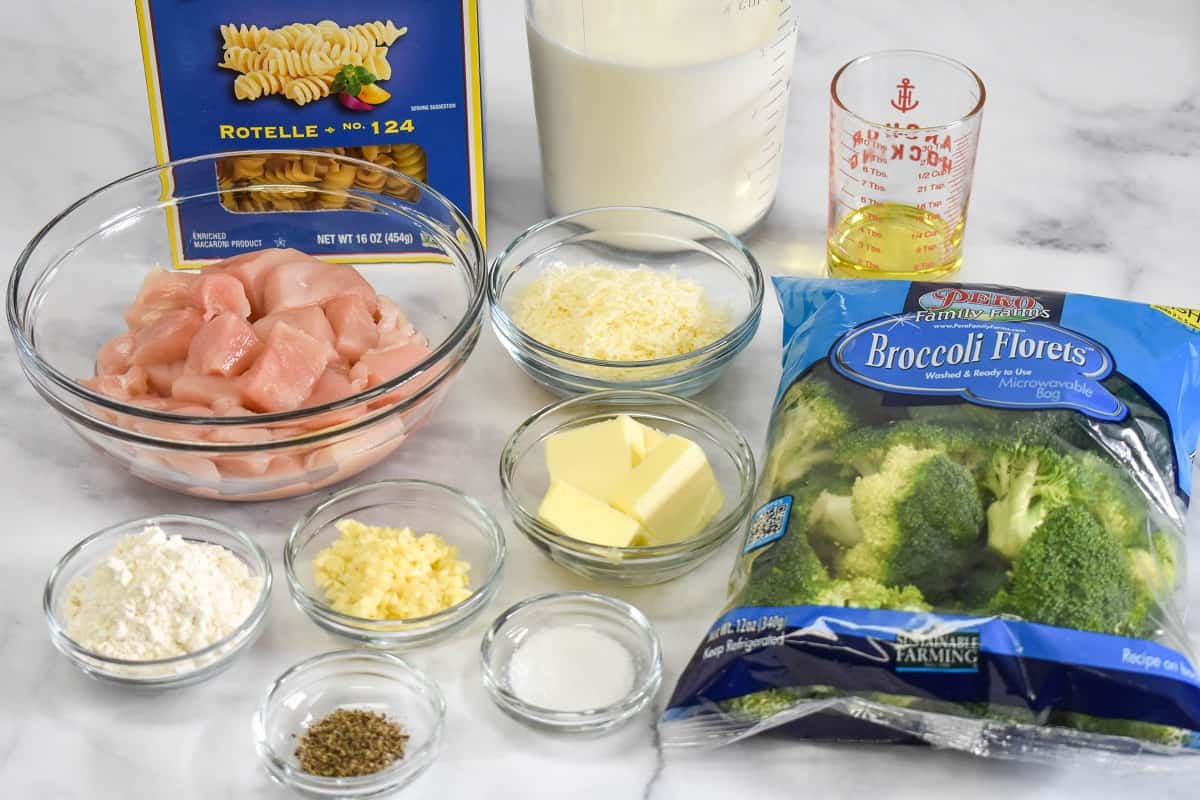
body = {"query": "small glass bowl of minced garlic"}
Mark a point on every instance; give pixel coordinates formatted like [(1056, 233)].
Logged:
[(351, 723), (394, 564)]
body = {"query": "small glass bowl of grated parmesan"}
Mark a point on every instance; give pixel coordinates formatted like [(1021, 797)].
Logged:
[(158, 602), (625, 297), (394, 564)]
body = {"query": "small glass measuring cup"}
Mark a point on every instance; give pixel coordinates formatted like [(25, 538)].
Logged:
[(675, 104), (903, 132)]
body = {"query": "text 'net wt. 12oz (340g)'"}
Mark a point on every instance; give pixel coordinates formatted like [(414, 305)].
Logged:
[(970, 529)]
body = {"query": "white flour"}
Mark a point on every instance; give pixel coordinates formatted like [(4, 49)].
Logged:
[(159, 596)]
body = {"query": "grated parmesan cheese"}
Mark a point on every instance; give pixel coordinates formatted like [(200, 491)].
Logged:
[(613, 314)]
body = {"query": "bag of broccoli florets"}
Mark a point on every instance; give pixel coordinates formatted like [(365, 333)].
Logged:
[(969, 529)]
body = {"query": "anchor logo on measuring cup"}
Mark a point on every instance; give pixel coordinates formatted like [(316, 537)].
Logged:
[(905, 97)]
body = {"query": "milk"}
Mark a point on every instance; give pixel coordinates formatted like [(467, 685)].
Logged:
[(680, 104)]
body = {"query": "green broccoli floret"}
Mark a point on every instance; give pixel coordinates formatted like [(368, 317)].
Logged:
[(764, 704), (1154, 575), (809, 420), (1073, 574), (920, 517), (1154, 568), (868, 593), (832, 520), (1028, 482), (863, 450), (1111, 496), (1151, 732), (814, 498), (768, 702), (790, 573), (981, 581), (1051, 427)]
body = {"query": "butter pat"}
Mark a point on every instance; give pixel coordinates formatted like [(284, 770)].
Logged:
[(653, 437), (581, 516), (596, 458), (672, 492)]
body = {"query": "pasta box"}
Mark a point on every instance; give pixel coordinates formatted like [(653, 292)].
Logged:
[(393, 82)]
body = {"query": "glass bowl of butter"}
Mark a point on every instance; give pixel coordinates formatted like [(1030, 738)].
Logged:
[(394, 564), (626, 486)]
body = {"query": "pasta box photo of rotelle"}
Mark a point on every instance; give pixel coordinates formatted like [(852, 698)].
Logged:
[(970, 529), (393, 83)]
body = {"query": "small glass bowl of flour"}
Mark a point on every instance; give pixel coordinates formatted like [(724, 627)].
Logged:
[(572, 662), (159, 602)]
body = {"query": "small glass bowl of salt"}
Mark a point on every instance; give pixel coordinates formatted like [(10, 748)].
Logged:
[(572, 662)]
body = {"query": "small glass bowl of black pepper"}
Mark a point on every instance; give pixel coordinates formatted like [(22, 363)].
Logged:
[(395, 695)]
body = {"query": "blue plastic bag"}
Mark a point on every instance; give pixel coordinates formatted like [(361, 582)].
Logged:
[(970, 529)]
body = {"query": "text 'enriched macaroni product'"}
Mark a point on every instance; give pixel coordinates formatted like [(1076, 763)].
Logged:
[(294, 89)]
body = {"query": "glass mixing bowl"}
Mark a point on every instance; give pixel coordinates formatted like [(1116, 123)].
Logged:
[(72, 283), (629, 237)]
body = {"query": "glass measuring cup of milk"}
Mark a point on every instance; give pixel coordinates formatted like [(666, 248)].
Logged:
[(679, 104)]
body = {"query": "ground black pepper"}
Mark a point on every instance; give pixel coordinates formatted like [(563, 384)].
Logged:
[(350, 742)]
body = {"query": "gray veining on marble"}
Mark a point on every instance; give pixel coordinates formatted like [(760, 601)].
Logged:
[(1088, 178)]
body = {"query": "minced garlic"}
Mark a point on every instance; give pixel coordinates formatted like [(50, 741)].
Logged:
[(377, 572)]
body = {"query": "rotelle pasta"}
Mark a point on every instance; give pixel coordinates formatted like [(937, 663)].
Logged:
[(281, 95), (256, 184), (301, 60)]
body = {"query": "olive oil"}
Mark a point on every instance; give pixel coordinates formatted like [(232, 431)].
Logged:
[(892, 240)]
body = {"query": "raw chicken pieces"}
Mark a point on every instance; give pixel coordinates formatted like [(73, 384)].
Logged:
[(220, 293), (270, 331), (287, 370), (225, 345)]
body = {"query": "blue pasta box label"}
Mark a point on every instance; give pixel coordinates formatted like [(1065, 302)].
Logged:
[(392, 82)]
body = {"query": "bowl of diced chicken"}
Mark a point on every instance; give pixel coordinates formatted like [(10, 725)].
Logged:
[(271, 372)]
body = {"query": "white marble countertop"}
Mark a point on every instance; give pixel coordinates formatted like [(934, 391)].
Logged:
[(1088, 178)]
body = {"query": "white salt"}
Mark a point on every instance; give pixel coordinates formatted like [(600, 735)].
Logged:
[(571, 668)]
